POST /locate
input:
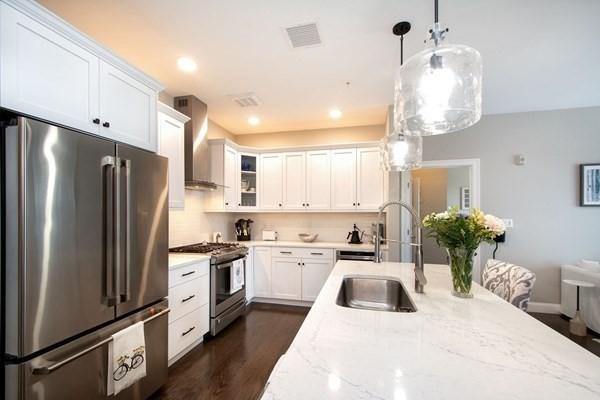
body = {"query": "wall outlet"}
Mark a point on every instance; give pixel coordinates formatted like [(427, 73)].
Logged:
[(508, 222)]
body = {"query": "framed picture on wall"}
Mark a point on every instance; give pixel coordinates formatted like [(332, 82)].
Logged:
[(590, 184)]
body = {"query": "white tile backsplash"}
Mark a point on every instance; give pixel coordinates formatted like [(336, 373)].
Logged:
[(331, 227), (193, 225)]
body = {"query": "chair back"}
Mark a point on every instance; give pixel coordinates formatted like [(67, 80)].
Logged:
[(510, 282)]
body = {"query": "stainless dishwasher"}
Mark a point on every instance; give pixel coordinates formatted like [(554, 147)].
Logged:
[(355, 255)]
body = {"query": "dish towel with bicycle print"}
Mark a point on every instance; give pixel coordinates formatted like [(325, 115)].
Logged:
[(126, 358), (237, 276)]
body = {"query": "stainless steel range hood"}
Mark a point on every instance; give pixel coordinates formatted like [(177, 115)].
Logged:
[(197, 152)]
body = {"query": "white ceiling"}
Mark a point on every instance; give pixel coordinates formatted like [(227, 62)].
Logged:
[(537, 54)]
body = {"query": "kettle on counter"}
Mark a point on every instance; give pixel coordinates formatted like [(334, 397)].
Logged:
[(355, 236)]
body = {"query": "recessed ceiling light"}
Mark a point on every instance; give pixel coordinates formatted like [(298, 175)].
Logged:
[(254, 120), (335, 113), (186, 64)]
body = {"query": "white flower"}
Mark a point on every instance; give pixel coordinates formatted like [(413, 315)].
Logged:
[(494, 224), (442, 215)]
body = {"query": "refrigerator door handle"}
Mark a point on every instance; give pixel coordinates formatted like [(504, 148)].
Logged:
[(126, 296), (117, 232), (108, 168), (48, 369)]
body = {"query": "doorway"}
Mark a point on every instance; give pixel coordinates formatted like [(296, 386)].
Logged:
[(435, 187)]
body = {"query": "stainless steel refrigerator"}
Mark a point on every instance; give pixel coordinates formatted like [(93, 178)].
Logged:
[(84, 255)]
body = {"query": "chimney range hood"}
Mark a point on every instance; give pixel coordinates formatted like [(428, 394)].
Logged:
[(196, 150)]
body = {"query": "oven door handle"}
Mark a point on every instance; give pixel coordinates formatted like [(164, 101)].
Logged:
[(224, 266), (234, 309)]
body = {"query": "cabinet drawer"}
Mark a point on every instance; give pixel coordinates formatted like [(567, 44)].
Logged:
[(188, 329), (188, 273), (322, 254), (294, 252), (188, 296)]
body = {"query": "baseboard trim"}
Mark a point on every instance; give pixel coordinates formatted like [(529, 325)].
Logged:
[(297, 303), (544, 308)]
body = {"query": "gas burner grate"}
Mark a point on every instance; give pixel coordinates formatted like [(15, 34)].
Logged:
[(204, 247)]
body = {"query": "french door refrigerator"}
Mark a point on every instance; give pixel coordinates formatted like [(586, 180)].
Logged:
[(84, 255)]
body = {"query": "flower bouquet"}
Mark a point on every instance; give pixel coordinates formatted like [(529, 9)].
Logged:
[(461, 234)]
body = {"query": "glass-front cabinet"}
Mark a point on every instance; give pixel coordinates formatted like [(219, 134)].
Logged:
[(248, 180)]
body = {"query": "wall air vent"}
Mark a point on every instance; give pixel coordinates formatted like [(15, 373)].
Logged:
[(246, 99), (303, 35)]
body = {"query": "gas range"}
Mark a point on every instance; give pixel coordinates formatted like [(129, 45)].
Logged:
[(219, 252), (227, 265)]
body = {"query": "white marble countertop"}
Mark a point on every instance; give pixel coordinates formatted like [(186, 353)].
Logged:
[(177, 260), (312, 245), (451, 348)]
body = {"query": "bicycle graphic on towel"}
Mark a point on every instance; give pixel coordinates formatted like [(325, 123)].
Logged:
[(127, 363)]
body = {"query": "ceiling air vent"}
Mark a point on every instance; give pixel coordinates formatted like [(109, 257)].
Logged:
[(246, 99), (303, 35)]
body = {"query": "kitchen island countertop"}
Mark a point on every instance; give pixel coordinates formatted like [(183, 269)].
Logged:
[(450, 348)]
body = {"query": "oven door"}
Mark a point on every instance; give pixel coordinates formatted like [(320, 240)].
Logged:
[(222, 297)]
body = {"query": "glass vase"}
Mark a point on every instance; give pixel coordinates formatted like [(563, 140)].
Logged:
[(461, 269)]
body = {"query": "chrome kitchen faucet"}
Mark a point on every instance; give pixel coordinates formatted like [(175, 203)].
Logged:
[(420, 280)]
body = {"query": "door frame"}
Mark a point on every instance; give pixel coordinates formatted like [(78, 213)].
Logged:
[(474, 165)]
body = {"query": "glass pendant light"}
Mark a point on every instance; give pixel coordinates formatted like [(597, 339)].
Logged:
[(399, 152), (438, 90)]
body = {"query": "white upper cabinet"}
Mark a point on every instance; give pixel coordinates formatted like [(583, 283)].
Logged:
[(127, 108), (230, 178), (343, 179), (49, 70), (271, 181), (369, 190), (294, 181), (171, 133), (45, 75), (318, 180)]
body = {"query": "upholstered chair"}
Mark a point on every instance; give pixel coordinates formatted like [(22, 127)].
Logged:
[(510, 282)]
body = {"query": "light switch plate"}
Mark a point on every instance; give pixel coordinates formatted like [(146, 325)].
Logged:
[(508, 222)]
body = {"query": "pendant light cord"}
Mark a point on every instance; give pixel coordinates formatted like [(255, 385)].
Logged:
[(435, 12), (401, 50)]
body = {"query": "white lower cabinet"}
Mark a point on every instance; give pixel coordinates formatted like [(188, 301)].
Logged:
[(291, 273), (314, 275), (250, 274), (189, 319), (262, 271), (286, 278)]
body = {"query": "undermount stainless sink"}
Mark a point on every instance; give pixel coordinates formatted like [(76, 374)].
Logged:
[(374, 293)]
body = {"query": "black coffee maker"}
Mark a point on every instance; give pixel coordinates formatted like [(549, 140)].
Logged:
[(355, 236)]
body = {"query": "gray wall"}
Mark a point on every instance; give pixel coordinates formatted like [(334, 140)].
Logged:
[(541, 196)]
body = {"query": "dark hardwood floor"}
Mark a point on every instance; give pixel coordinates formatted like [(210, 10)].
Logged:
[(561, 324), (236, 363)]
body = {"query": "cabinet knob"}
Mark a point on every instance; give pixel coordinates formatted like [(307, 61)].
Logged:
[(239, 204), (303, 205), (353, 204), (226, 204), (358, 204), (96, 121), (279, 204), (307, 204), (106, 124)]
